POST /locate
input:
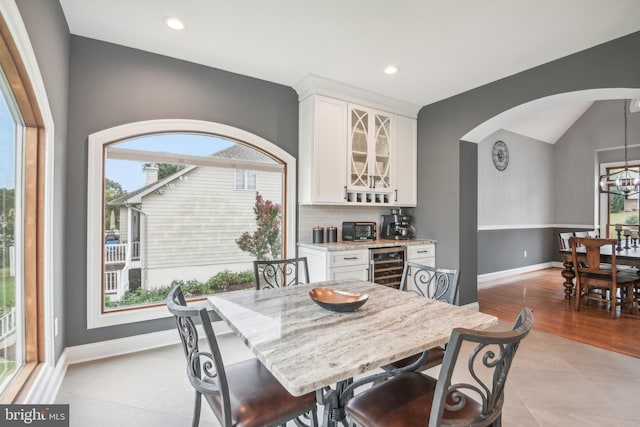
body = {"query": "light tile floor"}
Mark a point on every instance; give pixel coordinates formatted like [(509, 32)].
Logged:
[(553, 382)]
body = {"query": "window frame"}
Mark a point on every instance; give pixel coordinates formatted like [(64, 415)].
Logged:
[(20, 66), (605, 198), (245, 180), (97, 142)]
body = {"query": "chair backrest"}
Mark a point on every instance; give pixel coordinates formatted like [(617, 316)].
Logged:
[(205, 370), (488, 364), (563, 240), (581, 234), (592, 264), (436, 283), (594, 234), (281, 272)]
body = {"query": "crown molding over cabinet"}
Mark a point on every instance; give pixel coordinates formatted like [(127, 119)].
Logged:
[(317, 85)]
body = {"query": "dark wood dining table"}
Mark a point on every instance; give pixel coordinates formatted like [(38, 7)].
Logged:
[(629, 257)]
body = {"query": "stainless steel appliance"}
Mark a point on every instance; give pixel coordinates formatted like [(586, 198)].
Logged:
[(386, 264), (359, 231), (398, 225)]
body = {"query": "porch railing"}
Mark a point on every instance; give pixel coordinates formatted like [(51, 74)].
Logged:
[(8, 323), (114, 254)]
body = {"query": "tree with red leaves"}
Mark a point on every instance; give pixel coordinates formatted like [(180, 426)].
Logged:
[(264, 243)]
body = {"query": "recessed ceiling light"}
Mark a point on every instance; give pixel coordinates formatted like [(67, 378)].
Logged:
[(391, 69), (174, 23)]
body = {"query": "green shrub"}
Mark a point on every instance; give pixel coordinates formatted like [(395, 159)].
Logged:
[(191, 288)]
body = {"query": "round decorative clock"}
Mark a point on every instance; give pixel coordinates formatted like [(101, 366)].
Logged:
[(500, 155)]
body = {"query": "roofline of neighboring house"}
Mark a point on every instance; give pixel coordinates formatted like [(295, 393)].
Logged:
[(136, 196)]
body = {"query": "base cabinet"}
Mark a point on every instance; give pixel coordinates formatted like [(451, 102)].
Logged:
[(421, 254), (336, 265)]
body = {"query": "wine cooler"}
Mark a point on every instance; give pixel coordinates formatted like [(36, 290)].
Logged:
[(386, 264)]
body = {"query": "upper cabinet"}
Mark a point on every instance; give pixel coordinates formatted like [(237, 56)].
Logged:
[(352, 153), (369, 151)]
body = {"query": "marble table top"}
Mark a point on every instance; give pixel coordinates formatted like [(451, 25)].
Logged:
[(307, 347)]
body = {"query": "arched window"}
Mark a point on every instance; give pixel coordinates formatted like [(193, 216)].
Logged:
[(181, 201)]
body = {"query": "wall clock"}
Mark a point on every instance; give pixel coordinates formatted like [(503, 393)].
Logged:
[(500, 155)]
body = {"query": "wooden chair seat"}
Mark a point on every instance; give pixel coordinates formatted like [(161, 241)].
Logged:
[(256, 396)]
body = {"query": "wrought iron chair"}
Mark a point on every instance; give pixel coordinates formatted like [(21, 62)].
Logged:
[(595, 281), (409, 399), (281, 272), (436, 283), (242, 394)]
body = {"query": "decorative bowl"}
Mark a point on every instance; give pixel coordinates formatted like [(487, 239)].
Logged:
[(339, 301)]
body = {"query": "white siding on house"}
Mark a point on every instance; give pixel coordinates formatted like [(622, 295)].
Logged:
[(124, 224), (191, 225)]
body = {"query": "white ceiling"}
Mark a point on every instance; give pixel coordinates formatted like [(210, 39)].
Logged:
[(442, 47)]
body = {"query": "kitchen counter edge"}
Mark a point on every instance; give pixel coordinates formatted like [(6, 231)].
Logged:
[(345, 246)]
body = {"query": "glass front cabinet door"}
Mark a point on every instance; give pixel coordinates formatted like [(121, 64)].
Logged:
[(369, 150)]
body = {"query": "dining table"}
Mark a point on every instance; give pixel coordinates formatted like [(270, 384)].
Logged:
[(626, 254), (309, 348)]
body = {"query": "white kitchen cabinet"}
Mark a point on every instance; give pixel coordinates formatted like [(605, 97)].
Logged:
[(322, 150), (336, 265), (369, 154), (422, 254), (352, 154), (405, 162)]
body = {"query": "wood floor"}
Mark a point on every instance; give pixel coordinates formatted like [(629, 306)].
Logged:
[(543, 291)]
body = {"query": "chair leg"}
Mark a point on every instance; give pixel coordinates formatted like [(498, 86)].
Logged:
[(196, 410)]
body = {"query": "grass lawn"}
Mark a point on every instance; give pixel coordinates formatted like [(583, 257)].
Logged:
[(7, 289)]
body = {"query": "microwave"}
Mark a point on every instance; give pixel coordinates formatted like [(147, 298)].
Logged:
[(358, 231)]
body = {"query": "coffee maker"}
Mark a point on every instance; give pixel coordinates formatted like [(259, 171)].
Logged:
[(398, 225)]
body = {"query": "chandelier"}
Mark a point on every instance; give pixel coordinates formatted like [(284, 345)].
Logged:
[(623, 182)]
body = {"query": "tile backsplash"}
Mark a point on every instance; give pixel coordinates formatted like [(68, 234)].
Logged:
[(324, 216)]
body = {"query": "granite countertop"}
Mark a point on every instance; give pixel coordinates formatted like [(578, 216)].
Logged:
[(345, 246), (307, 347)]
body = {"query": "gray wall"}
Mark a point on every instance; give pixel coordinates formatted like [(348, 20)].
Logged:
[(576, 157), (49, 37), (522, 194), (515, 206), (112, 85), (441, 177)]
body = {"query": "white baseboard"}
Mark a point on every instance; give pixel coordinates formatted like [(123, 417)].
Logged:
[(506, 273), (45, 387)]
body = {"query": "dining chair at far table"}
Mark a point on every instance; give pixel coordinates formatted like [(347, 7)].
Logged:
[(243, 394), (278, 273), (595, 281), (563, 240), (436, 283), (410, 399)]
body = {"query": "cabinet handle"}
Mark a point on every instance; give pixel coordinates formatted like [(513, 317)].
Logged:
[(349, 258), (345, 193), (396, 198), (423, 252)]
